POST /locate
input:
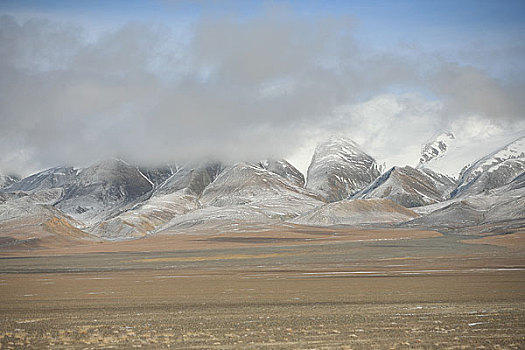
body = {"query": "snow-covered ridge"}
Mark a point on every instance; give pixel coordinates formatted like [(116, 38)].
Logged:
[(409, 187), (452, 156), (7, 180), (494, 160), (494, 170), (436, 147), (118, 200), (339, 168)]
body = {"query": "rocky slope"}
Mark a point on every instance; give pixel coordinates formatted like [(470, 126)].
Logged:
[(245, 194), (494, 170), (8, 180), (436, 148), (409, 187), (145, 218), (176, 195), (29, 219), (497, 210), (158, 175), (194, 177), (209, 194), (357, 212), (244, 183), (91, 194), (103, 190), (117, 200), (285, 170), (339, 169), (57, 177)]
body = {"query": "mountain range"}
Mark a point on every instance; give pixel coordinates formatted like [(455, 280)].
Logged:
[(117, 200)]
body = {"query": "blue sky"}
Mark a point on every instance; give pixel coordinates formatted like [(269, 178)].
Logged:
[(401, 18), (465, 31)]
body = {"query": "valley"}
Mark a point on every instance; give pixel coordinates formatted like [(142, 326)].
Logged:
[(250, 255), (294, 287), (245, 175)]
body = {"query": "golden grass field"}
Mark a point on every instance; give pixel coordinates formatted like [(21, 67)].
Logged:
[(290, 288)]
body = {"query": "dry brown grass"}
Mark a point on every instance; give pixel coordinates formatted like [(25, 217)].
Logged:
[(303, 288), (513, 241), (270, 236)]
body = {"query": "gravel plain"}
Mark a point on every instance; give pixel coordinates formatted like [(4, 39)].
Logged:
[(246, 291)]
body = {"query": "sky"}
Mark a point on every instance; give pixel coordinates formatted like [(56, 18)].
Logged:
[(166, 81)]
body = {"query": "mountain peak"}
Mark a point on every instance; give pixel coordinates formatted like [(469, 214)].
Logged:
[(436, 147), (7, 180), (494, 170), (409, 187), (340, 168)]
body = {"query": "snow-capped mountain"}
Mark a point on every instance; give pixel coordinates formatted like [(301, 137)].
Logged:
[(102, 190), (192, 176), (409, 187), (207, 192), (8, 180), (56, 177), (494, 170), (26, 218), (117, 200), (436, 148), (176, 195), (284, 169), (245, 183), (247, 193), (500, 210), (89, 194), (146, 217), (449, 154), (339, 168)]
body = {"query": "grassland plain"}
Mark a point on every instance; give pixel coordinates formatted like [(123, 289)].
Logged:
[(304, 288)]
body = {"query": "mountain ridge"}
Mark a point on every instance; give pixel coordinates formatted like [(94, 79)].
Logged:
[(117, 200)]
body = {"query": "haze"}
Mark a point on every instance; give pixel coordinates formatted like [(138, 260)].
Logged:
[(163, 81)]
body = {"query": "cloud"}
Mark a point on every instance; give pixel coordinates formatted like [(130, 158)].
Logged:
[(468, 90), (225, 87)]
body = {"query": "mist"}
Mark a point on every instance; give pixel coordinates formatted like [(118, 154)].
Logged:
[(230, 88)]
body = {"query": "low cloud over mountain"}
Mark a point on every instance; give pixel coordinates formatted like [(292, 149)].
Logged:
[(229, 87)]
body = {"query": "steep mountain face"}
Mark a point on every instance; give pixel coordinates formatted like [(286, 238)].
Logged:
[(56, 177), (19, 204), (207, 194), (29, 219), (285, 170), (518, 182), (340, 169), (444, 184), (145, 218), (244, 183), (247, 193), (409, 187), (103, 190), (116, 200), (194, 177), (450, 154), (356, 212), (494, 170), (158, 175), (177, 195), (8, 180), (95, 193), (436, 148), (498, 210)]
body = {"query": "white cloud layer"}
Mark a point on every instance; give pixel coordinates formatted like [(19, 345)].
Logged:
[(229, 88)]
